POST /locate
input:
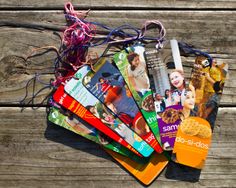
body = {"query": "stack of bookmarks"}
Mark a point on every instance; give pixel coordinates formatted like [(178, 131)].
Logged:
[(142, 109)]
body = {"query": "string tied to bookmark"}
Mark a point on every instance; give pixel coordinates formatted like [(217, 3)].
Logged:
[(161, 32), (69, 9), (187, 49), (79, 33), (82, 29)]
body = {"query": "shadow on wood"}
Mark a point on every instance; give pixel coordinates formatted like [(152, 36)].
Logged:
[(68, 138)]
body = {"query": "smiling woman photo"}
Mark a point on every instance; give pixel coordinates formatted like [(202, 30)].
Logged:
[(177, 85), (137, 73), (188, 102)]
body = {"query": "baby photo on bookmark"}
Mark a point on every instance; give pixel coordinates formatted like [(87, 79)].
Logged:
[(79, 92), (108, 85), (131, 64), (168, 85)]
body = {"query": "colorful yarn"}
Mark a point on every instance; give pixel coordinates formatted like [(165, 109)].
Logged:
[(79, 36), (190, 50)]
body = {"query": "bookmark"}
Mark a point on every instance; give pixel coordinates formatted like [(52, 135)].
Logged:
[(192, 142), (168, 84), (75, 124), (69, 103), (132, 66), (108, 85), (176, 54), (199, 112), (76, 89), (145, 173)]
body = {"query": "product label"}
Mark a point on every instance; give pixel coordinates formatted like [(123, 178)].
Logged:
[(192, 142)]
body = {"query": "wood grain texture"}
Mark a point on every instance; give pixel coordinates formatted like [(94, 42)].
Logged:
[(122, 4), (23, 31), (37, 154), (34, 153)]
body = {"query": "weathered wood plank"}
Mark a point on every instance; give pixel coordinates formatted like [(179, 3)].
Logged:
[(22, 31), (36, 154), (122, 4), (113, 183)]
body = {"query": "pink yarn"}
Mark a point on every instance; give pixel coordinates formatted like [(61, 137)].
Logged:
[(69, 9)]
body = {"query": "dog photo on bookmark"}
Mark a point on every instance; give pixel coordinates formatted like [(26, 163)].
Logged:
[(168, 84), (73, 123), (131, 64), (74, 106), (108, 85), (79, 92)]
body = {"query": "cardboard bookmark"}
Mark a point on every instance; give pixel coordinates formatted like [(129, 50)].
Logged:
[(108, 85), (69, 103), (192, 142), (168, 84), (76, 89), (75, 124), (144, 169), (145, 173), (208, 79), (195, 132), (132, 66), (176, 54)]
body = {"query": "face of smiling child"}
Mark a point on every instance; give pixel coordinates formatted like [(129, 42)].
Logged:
[(167, 92), (112, 107), (177, 80), (93, 110), (158, 97), (101, 80), (136, 61), (189, 101)]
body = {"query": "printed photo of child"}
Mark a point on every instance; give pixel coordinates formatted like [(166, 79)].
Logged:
[(177, 82), (209, 80), (109, 87), (119, 127), (168, 98), (137, 73), (188, 102), (211, 106), (159, 103)]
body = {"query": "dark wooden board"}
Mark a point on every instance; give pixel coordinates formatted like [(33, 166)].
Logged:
[(37, 154), (34, 153), (23, 31), (122, 4)]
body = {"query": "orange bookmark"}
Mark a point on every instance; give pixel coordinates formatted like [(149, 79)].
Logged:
[(145, 173)]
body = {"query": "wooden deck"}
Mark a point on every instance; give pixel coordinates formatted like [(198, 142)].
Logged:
[(34, 153)]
